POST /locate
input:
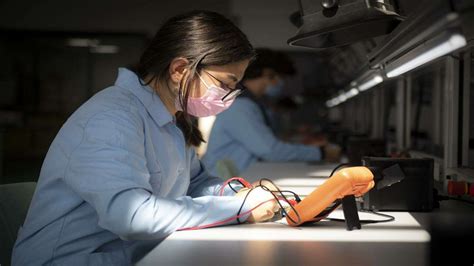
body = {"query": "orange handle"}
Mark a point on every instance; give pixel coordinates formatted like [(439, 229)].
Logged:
[(348, 181)]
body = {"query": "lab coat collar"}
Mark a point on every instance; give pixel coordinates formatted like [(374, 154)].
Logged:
[(129, 80)]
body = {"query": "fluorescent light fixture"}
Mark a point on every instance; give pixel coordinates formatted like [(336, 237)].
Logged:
[(370, 83), (343, 96), (351, 93), (429, 51), (333, 102), (82, 42), (104, 49)]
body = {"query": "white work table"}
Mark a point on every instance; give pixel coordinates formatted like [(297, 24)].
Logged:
[(400, 242)]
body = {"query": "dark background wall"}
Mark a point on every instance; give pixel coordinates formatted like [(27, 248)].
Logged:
[(43, 79)]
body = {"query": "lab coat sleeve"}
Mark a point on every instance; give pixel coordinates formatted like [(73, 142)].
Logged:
[(108, 170), (245, 124), (203, 184)]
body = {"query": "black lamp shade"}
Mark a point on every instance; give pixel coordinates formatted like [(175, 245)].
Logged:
[(346, 22)]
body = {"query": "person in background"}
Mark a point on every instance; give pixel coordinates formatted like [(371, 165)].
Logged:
[(243, 134), (276, 100), (122, 174), (283, 99)]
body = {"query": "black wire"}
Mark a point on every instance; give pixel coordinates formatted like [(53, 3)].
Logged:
[(233, 189), (389, 218), (324, 213), (276, 198), (278, 201), (241, 206), (337, 167), (297, 198)]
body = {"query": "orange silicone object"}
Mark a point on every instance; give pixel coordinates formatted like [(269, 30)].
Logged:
[(348, 181)]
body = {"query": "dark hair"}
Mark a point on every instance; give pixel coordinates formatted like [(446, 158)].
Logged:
[(204, 38), (267, 58), (284, 64)]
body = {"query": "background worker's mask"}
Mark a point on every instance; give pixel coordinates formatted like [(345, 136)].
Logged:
[(275, 90)]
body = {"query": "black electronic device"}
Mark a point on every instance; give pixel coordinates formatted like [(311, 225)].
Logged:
[(400, 184), (357, 148)]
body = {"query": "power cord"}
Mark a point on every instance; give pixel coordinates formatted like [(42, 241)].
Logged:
[(389, 218)]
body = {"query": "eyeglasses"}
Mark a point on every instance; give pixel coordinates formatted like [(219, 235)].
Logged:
[(233, 93)]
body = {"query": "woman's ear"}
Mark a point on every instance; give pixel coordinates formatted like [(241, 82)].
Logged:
[(177, 69)]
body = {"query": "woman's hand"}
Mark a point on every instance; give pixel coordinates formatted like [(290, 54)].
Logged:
[(264, 212)]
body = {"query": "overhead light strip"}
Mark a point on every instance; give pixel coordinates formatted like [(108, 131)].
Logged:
[(374, 81), (342, 97), (436, 49)]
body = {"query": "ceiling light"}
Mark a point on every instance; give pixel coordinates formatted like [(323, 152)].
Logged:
[(425, 53), (370, 83)]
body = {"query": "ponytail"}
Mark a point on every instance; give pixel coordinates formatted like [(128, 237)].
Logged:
[(191, 132)]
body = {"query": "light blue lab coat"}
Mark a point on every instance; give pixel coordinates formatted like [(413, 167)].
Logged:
[(241, 135), (116, 181)]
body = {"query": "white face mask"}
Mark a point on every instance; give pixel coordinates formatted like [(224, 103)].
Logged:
[(210, 103)]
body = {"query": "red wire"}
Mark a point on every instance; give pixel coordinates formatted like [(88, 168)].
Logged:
[(247, 185), (240, 179), (223, 221)]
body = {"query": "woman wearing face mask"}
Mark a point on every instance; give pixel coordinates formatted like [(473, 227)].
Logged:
[(243, 134), (122, 174)]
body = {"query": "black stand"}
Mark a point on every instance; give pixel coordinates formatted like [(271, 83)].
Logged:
[(351, 216)]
